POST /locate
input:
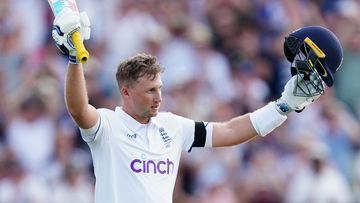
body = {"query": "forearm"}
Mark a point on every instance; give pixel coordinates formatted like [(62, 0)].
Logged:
[(243, 128), (76, 98), (233, 132)]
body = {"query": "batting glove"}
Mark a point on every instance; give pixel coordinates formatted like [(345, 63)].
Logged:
[(64, 25), (289, 102)]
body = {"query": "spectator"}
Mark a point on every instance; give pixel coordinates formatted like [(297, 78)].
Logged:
[(317, 180), (240, 44)]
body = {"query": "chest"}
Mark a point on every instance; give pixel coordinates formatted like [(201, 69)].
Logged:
[(149, 149), (147, 142)]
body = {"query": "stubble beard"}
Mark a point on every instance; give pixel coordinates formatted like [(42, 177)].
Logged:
[(150, 113)]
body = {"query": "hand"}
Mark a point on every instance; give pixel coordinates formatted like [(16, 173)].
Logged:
[(64, 25), (289, 102)]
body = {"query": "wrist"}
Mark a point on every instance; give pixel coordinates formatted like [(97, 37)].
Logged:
[(266, 119), (72, 50), (73, 57), (283, 107)]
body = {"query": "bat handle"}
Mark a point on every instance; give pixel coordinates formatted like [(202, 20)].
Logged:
[(82, 53)]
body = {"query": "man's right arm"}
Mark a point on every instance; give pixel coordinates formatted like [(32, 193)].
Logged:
[(76, 97)]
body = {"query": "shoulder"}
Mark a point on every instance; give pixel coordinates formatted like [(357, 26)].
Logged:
[(166, 116), (106, 112), (169, 118)]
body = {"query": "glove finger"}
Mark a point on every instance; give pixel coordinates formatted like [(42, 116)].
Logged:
[(85, 33), (292, 82), (317, 82), (312, 99), (57, 35), (69, 43), (296, 80), (300, 77), (312, 88), (84, 19), (315, 79), (85, 30)]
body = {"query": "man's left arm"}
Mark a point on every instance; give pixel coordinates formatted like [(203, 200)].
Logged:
[(262, 121), (233, 132), (244, 128)]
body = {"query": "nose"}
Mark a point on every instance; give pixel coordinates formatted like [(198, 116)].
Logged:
[(158, 97)]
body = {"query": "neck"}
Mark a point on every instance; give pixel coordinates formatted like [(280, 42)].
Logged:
[(140, 119)]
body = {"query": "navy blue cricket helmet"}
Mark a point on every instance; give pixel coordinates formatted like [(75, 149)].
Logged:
[(314, 50)]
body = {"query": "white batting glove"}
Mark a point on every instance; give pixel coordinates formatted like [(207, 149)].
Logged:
[(289, 102), (65, 23)]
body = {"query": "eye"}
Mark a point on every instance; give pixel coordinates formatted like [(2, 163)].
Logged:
[(155, 89), (151, 90)]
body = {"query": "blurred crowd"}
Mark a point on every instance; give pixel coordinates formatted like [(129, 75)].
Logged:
[(222, 58)]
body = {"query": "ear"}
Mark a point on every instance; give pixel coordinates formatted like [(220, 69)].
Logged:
[(124, 91)]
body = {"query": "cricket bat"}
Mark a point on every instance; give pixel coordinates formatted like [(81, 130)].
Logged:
[(57, 6)]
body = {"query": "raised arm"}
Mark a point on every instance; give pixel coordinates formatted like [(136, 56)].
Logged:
[(264, 120), (315, 54), (76, 97)]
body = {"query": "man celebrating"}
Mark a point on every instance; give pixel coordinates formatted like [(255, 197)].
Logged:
[(136, 149)]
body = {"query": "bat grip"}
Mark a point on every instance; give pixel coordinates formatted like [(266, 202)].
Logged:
[(82, 53)]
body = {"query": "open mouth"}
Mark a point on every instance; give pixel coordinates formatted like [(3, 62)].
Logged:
[(155, 107)]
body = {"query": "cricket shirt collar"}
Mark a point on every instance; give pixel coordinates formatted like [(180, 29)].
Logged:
[(130, 122)]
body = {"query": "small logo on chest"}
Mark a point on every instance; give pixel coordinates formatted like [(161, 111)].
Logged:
[(132, 136), (165, 137)]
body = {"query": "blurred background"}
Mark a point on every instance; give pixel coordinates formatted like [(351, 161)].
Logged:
[(222, 58)]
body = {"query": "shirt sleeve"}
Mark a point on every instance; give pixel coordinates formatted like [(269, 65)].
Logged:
[(96, 131), (193, 133), (202, 135), (89, 135)]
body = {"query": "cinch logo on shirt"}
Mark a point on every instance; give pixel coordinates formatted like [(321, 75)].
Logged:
[(152, 166)]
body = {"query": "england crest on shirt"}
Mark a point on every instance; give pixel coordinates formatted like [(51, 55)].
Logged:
[(165, 137)]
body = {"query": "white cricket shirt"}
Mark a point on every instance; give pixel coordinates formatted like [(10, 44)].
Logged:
[(134, 162)]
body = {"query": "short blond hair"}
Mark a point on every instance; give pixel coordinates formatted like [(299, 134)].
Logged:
[(133, 68)]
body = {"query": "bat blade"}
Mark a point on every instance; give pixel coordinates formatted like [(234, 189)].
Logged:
[(58, 5)]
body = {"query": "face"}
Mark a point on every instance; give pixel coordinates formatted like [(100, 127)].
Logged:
[(142, 100)]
